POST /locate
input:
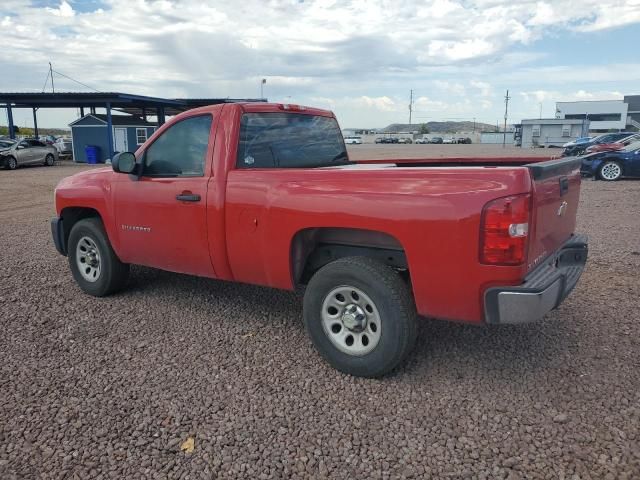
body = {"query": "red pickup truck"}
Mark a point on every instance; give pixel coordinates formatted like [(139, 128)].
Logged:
[(265, 194)]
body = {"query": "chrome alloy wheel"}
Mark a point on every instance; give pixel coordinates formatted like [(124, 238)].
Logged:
[(611, 171), (88, 259), (351, 320)]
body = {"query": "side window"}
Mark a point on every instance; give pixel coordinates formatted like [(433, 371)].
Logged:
[(181, 150), (24, 144)]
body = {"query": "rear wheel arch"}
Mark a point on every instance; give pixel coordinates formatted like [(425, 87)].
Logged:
[(313, 248)]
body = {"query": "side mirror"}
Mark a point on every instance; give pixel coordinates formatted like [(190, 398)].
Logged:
[(19, 147), (124, 162)]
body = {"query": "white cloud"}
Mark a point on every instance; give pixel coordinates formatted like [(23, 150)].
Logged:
[(64, 10), (362, 55)]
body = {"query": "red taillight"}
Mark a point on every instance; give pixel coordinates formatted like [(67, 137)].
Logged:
[(504, 230)]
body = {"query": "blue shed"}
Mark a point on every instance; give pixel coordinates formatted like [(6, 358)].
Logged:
[(128, 134)]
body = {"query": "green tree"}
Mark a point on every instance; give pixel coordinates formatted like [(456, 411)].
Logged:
[(424, 129)]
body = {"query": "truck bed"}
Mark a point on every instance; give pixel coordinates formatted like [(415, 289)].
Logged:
[(457, 161)]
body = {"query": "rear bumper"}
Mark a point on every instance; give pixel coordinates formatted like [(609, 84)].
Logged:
[(57, 232), (543, 289)]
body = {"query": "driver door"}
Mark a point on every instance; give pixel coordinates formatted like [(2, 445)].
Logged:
[(161, 216)]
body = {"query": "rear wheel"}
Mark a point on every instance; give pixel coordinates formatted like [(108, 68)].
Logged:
[(49, 160), (610, 171), (94, 264), (360, 316)]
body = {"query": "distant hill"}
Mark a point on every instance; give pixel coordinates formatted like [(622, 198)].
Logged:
[(439, 127)]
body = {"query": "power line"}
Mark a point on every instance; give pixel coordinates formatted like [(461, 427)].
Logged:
[(52, 71), (74, 80)]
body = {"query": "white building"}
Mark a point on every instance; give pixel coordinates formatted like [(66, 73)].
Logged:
[(549, 132), (603, 115)]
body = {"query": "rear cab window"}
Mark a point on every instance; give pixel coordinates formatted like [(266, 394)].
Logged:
[(289, 140)]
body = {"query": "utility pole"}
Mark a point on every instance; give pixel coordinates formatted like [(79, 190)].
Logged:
[(53, 89), (506, 112), (540, 109), (264, 80), (410, 105), (474, 124)]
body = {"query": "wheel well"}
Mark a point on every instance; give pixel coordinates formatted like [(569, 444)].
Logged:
[(72, 215), (313, 248)]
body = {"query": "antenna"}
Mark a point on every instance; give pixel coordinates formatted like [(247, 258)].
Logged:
[(53, 89), (506, 113)]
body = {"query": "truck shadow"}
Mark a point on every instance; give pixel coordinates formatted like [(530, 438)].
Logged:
[(443, 349)]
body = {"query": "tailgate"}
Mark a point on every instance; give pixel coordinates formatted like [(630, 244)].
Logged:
[(556, 191)]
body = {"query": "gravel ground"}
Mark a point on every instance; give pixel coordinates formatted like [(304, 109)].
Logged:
[(111, 388)]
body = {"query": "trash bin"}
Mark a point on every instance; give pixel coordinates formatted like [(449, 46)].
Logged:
[(93, 154)]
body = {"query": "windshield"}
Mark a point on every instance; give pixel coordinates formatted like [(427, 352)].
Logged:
[(632, 147), (6, 143), (290, 140)]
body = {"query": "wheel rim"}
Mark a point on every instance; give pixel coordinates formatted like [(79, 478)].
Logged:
[(49, 160), (12, 163), (611, 171), (351, 320), (88, 259)]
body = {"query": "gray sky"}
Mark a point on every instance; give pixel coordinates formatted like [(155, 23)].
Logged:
[(359, 58)]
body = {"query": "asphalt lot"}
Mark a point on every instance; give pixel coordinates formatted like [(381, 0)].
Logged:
[(110, 388)]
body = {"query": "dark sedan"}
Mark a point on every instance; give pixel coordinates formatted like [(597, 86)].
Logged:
[(611, 166), (581, 148)]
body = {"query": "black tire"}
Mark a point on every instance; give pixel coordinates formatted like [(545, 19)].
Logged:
[(113, 274), (610, 171), (10, 163), (393, 302), (49, 160)]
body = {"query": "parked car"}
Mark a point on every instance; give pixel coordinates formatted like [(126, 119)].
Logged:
[(613, 165), (353, 140), (405, 140), (26, 152), (422, 141), (379, 140), (259, 206), (47, 139), (389, 140), (64, 146), (577, 141), (449, 140), (581, 148), (465, 140), (617, 145), (436, 140)]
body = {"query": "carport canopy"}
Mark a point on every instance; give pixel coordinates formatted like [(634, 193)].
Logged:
[(137, 105)]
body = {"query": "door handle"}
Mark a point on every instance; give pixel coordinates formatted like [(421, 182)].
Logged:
[(188, 197)]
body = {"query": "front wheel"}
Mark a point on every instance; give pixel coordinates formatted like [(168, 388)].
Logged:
[(49, 160), (10, 163), (610, 171), (360, 316), (94, 264)]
